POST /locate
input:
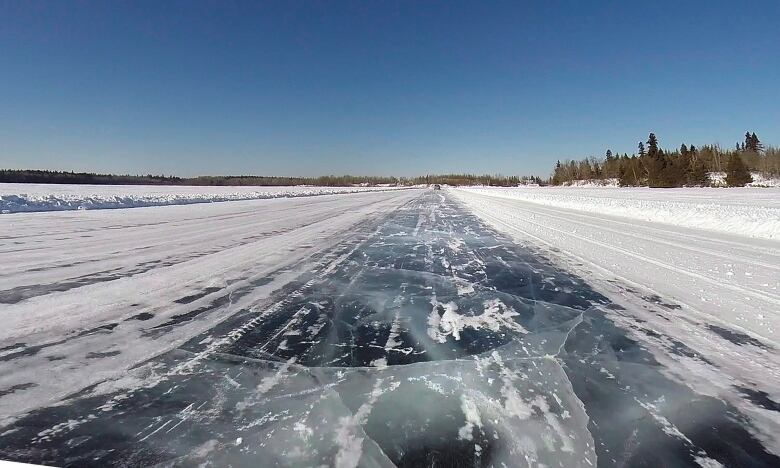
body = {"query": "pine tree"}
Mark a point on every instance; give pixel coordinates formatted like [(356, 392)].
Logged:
[(737, 174), (557, 177), (755, 143), (655, 164), (641, 149), (652, 145), (752, 143), (610, 164)]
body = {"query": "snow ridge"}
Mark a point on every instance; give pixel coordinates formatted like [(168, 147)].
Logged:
[(20, 198)]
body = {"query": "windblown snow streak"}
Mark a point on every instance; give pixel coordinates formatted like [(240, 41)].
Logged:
[(426, 340)]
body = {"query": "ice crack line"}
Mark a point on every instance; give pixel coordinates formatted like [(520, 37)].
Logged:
[(580, 319)]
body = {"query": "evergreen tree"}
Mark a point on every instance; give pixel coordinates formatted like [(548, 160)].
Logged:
[(755, 143), (611, 165), (558, 176), (737, 174), (752, 143), (655, 164), (688, 166), (652, 145)]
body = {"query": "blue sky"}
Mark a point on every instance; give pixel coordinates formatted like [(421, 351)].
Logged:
[(401, 88)]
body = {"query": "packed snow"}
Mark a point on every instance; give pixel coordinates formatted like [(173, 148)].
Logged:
[(69, 278), (752, 212), (15, 198)]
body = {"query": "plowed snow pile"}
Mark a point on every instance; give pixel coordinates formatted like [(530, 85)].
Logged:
[(15, 198)]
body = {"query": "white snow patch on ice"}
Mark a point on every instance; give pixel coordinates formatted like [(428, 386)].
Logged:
[(471, 412), (496, 315)]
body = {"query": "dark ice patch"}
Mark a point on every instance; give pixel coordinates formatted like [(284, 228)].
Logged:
[(189, 316), (98, 355), (760, 398), (737, 337), (16, 388), (107, 328), (142, 316), (195, 297), (655, 299)]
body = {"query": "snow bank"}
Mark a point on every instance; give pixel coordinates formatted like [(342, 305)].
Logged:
[(718, 179), (752, 212), (611, 182), (15, 198)]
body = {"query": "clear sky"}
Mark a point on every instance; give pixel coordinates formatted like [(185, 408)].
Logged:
[(381, 88)]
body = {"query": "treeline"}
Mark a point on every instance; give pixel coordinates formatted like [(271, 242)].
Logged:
[(61, 177), (473, 179), (321, 181), (687, 166), (650, 166)]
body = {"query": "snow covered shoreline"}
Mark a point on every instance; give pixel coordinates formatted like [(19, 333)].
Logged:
[(24, 198), (751, 212)]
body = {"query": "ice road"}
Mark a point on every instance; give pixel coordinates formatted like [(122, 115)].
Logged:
[(373, 329)]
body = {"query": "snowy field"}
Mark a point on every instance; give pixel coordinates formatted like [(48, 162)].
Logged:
[(753, 212), (15, 198)]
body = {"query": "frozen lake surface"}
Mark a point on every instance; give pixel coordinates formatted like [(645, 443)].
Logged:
[(400, 330)]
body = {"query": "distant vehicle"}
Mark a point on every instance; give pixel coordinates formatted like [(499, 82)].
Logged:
[(437, 187)]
